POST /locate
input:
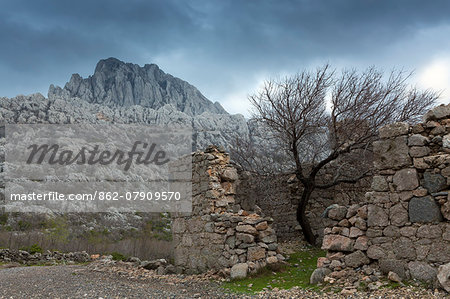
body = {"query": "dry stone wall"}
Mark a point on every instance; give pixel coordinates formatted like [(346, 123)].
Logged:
[(403, 225), (214, 236), (278, 197)]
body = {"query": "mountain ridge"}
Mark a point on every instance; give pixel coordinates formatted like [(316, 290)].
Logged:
[(119, 84)]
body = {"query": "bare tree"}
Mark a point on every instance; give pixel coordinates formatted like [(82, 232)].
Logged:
[(314, 135)]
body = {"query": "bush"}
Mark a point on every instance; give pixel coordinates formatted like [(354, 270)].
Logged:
[(35, 248), (117, 256)]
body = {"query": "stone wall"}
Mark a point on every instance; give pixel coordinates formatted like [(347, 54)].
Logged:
[(278, 197), (216, 235), (403, 225)]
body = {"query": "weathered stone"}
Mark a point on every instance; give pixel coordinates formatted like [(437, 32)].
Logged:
[(337, 213), (337, 243), (248, 229), (255, 253), (429, 231), (398, 215), (262, 225), (439, 112), (392, 276), (445, 209), (395, 129), (239, 271), (404, 248), (443, 276), (272, 260), (246, 238), (417, 140), (446, 141), (356, 259), (229, 174), (376, 216), (422, 271), (318, 275), (408, 231), (406, 179), (379, 183), (439, 252), (390, 265), (391, 231), (355, 232), (361, 243), (424, 209), (419, 151), (392, 153), (376, 252), (434, 182)]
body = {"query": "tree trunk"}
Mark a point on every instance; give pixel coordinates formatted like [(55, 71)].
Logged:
[(301, 216)]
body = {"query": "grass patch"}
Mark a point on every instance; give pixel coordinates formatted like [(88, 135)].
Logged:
[(297, 273)]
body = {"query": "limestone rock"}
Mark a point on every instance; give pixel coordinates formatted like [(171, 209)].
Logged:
[(443, 276), (116, 83), (392, 276), (356, 259), (337, 213), (439, 112), (417, 140), (379, 183), (376, 216), (256, 253), (319, 275), (422, 271), (391, 153), (390, 265), (239, 271), (393, 130), (406, 179), (337, 243)]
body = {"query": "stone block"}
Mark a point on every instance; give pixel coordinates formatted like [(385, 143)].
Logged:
[(356, 259), (417, 140), (395, 129), (391, 153), (424, 209), (406, 179), (419, 151), (422, 271), (390, 265), (434, 182), (443, 276), (239, 271), (404, 248), (376, 216), (398, 215), (256, 253), (337, 243)]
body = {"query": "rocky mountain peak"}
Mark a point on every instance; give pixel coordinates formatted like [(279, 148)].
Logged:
[(116, 83)]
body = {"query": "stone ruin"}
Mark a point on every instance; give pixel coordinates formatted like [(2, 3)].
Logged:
[(403, 225), (216, 235)]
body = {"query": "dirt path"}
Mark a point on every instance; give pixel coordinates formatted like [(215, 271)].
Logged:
[(78, 282)]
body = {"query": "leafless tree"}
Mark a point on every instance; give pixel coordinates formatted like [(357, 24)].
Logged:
[(314, 135)]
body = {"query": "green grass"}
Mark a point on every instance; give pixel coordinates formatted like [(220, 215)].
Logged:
[(286, 278)]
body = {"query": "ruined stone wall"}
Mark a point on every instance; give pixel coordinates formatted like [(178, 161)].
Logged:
[(403, 226), (278, 197), (216, 235)]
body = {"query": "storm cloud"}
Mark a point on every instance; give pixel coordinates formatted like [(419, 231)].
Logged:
[(225, 48)]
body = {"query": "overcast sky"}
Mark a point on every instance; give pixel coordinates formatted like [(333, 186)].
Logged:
[(225, 48)]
